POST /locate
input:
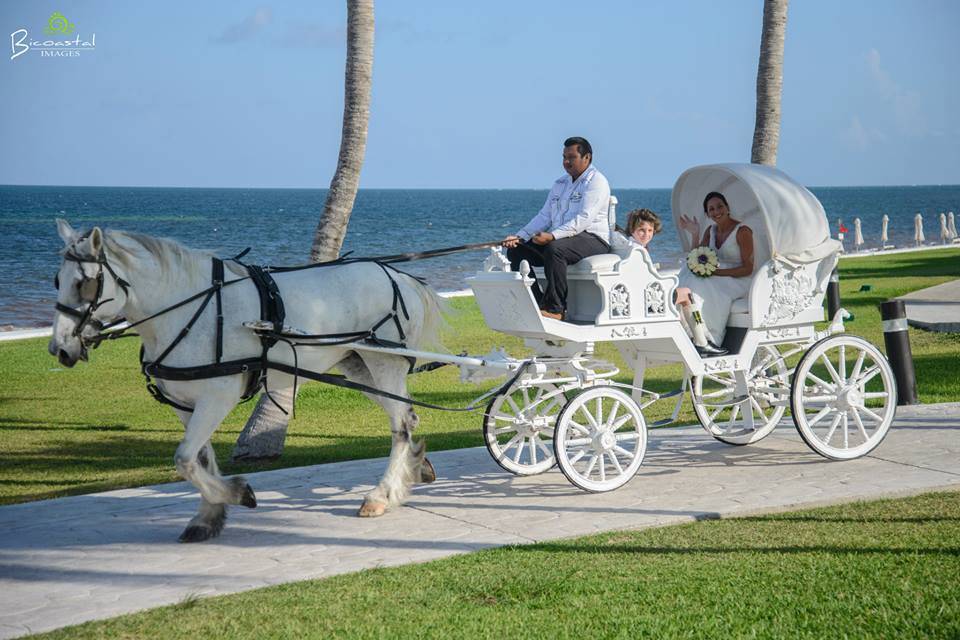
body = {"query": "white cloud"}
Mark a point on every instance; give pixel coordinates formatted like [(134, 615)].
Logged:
[(859, 137), (247, 28), (905, 105)]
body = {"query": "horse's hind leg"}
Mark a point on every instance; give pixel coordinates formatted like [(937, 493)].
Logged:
[(196, 462), (407, 461)]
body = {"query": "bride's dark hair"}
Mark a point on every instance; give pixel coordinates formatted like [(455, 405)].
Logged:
[(710, 196)]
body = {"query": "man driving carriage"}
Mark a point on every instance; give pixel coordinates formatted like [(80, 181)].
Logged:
[(571, 225)]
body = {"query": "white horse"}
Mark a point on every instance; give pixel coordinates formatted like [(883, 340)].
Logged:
[(140, 275)]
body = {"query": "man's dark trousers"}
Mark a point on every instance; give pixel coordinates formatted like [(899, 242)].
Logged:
[(554, 258)]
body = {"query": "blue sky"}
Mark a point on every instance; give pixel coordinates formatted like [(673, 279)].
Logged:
[(477, 94)]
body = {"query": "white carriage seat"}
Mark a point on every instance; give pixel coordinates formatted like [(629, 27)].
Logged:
[(602, 262)]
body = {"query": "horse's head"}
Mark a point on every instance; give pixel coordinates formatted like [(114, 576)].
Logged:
[(90, 294)]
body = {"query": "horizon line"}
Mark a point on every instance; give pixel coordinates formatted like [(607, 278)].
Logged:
[(100, 186)]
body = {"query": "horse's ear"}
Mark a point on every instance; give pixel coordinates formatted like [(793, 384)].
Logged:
[(96, 241), (67, 234)]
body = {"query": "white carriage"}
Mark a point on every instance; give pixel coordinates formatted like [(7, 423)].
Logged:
[(566, 408)]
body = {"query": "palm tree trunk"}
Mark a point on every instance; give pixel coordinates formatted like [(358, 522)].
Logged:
[(266, 430), (766, 131)]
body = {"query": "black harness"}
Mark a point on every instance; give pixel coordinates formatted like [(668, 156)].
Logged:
[(272, 315)]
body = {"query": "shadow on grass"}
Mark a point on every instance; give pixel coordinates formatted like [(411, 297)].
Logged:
[(945, 264)]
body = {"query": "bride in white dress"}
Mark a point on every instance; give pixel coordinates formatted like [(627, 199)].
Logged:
[(714, 295)]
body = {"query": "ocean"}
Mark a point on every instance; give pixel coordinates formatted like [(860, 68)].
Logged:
[(278, 224)]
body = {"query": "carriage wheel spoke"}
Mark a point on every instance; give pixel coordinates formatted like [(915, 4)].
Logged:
[(516, 456), (622, 420), (860, 427), (733, 416), (526, 396), (603, 468), (513, 405), (579, 442), (622, 451), (511, 442), (502, 417), (875, 395), (627, 436), (858, 365), (590, 418), (544, 448), (867, 376), (532, 447), (831, 369), (872, 415), (590, 465), (756, 405), (579, 427), (503, 430), (846, 431), (833, 428), (820, 416), (712, 417), (612, 414), (842, 364), (822, 383), (819, 399), (616, 463)]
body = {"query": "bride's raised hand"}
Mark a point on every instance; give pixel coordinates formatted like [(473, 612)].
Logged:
[(690, 225)]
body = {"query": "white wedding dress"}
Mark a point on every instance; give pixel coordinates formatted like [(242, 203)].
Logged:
[(718, 292)]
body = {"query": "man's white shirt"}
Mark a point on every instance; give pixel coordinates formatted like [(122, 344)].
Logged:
[(572, 207)]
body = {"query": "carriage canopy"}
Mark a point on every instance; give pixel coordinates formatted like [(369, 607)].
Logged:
[(787, 220)]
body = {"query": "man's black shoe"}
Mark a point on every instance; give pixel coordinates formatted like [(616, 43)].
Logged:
[(711, 350)]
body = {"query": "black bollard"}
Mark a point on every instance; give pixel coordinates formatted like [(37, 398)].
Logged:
[(897, 340), (833, 293)]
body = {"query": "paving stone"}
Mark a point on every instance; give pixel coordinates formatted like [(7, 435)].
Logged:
[(82, 558)]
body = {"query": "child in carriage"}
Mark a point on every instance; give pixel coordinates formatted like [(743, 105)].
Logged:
[(642, 226)]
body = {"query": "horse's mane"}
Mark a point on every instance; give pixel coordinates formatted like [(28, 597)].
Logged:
[(124, 247)]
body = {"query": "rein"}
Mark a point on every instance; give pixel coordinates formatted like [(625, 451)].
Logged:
[(272, 315)]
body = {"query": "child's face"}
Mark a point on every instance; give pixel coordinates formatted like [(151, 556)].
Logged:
[(643, 233)]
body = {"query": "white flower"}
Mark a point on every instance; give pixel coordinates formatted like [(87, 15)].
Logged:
[(702, 261)]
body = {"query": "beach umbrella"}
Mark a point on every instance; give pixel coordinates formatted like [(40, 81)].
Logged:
[(951, 225), (883, 231), (944, 231), (857, 234), (918, 229)]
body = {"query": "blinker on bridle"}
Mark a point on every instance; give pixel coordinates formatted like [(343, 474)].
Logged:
[(85, 316)]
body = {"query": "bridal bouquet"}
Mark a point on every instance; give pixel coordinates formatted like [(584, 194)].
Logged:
[(702, 261)]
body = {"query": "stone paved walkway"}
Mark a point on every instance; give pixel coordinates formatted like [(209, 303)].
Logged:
[(75, 559), (935, 308)]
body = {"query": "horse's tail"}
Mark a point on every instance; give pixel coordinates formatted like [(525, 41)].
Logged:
[(435, 309)]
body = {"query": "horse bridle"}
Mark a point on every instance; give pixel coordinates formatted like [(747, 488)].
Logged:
[(84, 316)]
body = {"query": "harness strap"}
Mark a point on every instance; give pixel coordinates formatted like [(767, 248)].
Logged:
[(218, 286), (252, 365)]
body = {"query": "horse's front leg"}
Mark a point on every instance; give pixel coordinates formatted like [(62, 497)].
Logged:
[(407, 460), (196, 462)]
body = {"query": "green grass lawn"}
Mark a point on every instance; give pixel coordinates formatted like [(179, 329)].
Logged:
[(94, 427), (884, 569)]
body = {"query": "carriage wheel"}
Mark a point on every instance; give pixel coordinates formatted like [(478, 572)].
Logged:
[(600, 439), (752, 419), (518, 428), (843, 397)]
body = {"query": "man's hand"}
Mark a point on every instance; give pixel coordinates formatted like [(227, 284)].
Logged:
[(510, 241), (544, 237)]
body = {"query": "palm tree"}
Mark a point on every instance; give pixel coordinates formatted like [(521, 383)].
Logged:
[(766, 131), (265, 431)]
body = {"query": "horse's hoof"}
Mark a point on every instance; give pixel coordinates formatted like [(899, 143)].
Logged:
[(197, 533), (372, 509), (427, 473), (249, 498)]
